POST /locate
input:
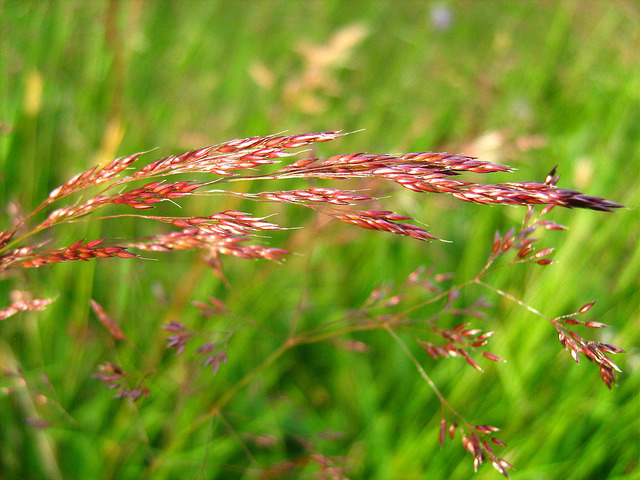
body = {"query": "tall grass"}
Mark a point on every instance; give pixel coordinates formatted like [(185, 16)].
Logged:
[(527, 85)]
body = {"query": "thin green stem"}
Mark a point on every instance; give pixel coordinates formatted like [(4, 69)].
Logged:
[(512, 298), (424, 374)]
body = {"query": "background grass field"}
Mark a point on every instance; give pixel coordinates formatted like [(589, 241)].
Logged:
[(528, 84)]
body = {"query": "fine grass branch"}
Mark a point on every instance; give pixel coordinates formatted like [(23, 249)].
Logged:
[(123, 183)]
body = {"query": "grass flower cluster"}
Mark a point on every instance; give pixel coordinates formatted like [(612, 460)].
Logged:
[(125, 188)]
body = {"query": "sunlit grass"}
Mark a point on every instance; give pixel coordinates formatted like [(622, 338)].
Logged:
[(532, 86)]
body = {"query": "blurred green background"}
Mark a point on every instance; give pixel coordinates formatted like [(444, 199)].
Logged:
[(529, 84)]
